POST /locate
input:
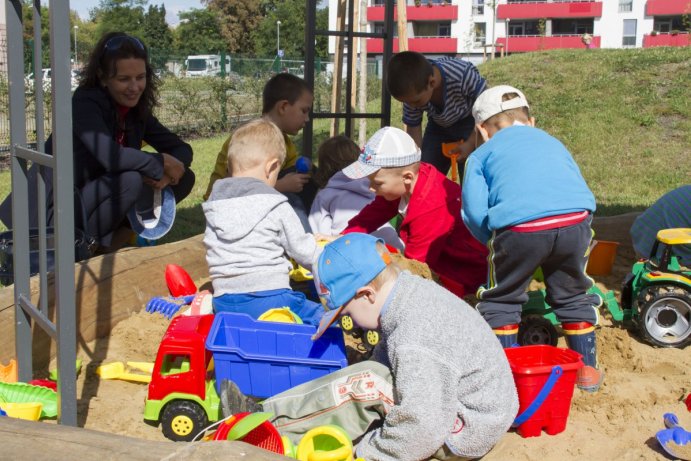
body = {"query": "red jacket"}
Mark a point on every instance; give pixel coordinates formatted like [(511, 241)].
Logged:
[(432, 230)]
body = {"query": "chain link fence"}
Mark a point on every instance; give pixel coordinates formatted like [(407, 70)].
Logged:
[(198, 95)]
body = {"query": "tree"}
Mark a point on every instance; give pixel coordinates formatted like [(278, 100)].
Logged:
[(291, 13), (157, 36), (199, 32), (238, 18), (120, 16)]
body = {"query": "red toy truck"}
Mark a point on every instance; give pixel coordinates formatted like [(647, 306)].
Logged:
[(182, 395)]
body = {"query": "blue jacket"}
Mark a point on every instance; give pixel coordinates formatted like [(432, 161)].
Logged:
[(519, 175)]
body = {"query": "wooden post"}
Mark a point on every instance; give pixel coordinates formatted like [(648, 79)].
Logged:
[(336, 80), (362, 137), (402, 27), (352, 56)]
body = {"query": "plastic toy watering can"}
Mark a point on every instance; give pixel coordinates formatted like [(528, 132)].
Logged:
[(325, 443)]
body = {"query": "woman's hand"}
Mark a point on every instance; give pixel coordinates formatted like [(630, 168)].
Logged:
[(292, 182), (160, 184), (172, 168)]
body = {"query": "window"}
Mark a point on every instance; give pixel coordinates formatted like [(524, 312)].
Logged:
[(625, 6), (444, 29), (479, 33), (378, 27), (478, 7), (520, 28), (629, 36)]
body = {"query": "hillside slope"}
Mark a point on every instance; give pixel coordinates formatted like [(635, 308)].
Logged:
[(624, 114)]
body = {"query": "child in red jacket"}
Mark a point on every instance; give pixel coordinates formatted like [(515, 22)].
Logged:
[(430, 203)]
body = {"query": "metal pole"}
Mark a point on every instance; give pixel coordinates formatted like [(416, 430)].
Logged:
[(63, 197), (278, 38), (75, 47)]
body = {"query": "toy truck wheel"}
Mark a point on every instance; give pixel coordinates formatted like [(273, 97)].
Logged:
[(347, 323), (535, 329), (182, 420), (371, 338), (665, 318)]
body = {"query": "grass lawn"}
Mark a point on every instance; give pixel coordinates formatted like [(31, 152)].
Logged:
[(624, 114)]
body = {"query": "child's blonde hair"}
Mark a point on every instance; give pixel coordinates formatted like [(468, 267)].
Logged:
[(254, 142), (519, 114), (333, 155)]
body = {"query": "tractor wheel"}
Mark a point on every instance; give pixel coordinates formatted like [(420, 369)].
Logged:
[(182, 420), (665, 317), (535, 329)]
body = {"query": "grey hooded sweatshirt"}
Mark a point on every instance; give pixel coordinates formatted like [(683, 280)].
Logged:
[(452, 381), (251, 231)]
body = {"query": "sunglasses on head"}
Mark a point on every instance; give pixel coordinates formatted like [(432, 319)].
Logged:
[(116, 43)]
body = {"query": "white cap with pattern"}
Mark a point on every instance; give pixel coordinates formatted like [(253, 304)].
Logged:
[(389, 147), (490, 102)]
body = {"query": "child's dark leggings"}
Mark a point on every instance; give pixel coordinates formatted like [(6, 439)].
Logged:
[(562, 253)]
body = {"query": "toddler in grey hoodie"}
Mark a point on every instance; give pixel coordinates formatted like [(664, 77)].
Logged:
[(252, 231)]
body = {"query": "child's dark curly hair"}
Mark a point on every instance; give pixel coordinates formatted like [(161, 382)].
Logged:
[(333, 155)]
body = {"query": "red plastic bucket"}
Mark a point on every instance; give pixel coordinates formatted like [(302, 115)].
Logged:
[(545, 377)]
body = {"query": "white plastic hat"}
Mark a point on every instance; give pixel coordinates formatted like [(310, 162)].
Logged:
[(389, 147), (490, 103), (153, 213)]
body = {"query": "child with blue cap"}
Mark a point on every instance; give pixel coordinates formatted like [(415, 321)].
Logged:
[(427, 392)]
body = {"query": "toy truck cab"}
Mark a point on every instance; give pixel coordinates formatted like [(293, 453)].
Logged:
[(657, 292), (180, 395)]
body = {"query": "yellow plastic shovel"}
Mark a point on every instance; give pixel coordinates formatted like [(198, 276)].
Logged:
[(118, 370)]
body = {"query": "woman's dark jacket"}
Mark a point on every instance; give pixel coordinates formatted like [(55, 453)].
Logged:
[(94, 124)]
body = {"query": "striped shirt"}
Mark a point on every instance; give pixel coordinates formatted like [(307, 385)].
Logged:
[(462, 84)]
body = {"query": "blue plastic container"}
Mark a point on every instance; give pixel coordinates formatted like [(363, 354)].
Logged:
[(265, 358)]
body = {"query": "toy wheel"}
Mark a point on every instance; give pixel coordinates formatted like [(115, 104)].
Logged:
[(535, 329), (665, 318), (182, 420), (371, 338), (347, 323)]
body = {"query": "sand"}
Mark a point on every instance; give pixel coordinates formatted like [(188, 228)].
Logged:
[(619, 422)]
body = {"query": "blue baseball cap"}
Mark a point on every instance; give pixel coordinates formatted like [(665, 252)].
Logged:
[(345, 265), (153, 213)]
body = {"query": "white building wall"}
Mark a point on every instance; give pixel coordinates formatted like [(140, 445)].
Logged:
[(610, 27)]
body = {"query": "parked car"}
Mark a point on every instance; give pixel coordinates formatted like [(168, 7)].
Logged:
[(47, 79)]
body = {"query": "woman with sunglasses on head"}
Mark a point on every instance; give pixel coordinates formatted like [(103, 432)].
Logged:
[(112, 118)]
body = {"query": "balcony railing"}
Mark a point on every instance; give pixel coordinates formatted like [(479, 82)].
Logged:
[(431, 45), (667, 7), (436, 12), (534, 10), (681, 39), (522, 43)]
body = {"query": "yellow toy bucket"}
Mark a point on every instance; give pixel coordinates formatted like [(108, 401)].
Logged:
[(30, 410), (602, 255)]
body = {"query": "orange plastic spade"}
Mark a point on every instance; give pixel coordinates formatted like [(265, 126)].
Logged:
[(446, 148)]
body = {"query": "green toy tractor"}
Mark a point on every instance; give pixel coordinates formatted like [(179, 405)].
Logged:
[(656, 294)]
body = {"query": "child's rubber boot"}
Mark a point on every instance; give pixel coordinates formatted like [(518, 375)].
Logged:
[(580, 337), (507, 335)]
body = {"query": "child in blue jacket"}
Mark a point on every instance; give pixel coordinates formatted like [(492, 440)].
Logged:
[(525, 198)]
